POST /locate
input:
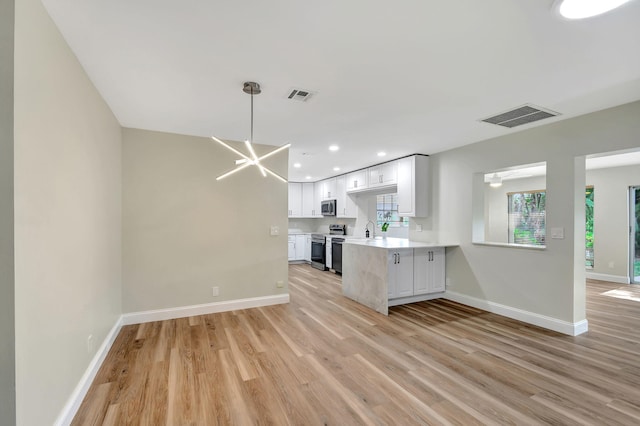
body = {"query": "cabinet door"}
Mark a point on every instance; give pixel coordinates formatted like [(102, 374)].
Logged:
[(345, 205), (357, 181), (309, 206), (392, 279), (292, 247), (406, 186), (385, 174), (327, 253), (437, 274), (301, 240), (404, 280), (317, 199), (389, 175), (413, 186), (429, 270), (307, 248), (295, 199), (421, 262), (328, 189), (400, 266)]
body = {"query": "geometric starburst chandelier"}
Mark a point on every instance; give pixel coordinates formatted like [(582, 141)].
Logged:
[(252, 159)]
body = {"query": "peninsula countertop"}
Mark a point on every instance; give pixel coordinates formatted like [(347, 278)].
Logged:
[(394, 243)]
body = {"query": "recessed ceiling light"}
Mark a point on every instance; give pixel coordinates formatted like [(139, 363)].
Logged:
[(334, 148), (297, 165), (382, 154), (580, 9), (336, 169), (307, 177)]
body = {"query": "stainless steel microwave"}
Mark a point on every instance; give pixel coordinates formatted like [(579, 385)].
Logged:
[(328, 208)]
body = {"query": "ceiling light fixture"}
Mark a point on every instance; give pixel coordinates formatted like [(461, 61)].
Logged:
[(334, 148), (495, 181), (336, 169), (308, 177), (382, 154), (251, 88), (297, 165), (580, 9)]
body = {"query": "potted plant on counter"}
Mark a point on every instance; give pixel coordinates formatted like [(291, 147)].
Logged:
[(384, 228)]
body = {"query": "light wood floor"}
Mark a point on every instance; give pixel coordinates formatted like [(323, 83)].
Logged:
[(323, 359)]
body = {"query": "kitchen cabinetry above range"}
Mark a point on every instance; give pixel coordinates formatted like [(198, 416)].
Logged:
[(408, 176)]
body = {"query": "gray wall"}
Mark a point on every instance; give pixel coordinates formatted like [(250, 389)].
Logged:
[(184, 232), (610, 221), (67, 217), (7, 336), (554, 282)]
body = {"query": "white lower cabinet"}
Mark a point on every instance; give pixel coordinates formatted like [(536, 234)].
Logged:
[(428, 270), (400, 267), (292, 247), (300, 247)]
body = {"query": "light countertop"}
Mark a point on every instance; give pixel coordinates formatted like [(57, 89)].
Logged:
[(394, 243)]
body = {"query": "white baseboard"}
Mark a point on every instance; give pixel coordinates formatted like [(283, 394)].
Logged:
[(606, 277), (73, 403), (206, 308), (565, 327)]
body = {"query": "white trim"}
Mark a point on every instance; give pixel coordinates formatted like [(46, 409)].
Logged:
[(606, 277), (565, 327), (414, 299), (206, 308), (75, 399)]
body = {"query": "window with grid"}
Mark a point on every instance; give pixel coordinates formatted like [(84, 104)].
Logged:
[(527, 217), (387, 211)]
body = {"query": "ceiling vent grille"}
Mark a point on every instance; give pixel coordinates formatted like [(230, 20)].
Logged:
[(300, 95), (522, 115)]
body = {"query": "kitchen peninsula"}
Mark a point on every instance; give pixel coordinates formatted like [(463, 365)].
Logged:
[(385, 272)]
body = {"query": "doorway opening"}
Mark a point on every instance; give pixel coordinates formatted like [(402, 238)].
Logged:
[(634, 234)]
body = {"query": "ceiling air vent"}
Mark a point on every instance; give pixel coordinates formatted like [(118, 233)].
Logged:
[(522, 115), (300, 95)]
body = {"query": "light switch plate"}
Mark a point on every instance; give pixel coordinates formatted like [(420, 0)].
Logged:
[(419, 228), (275, 230), (557, 233)]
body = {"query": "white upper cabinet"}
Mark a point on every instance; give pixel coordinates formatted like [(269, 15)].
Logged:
[(345, 205), (385, 174), (413, 186), (357, 181), (295, 199), (328, 189), (310, 208)]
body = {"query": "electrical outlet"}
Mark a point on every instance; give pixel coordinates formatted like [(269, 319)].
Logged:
[(275, 230), (215, 291), (279, 284), (447, 282), (419, 228), (90, 344)]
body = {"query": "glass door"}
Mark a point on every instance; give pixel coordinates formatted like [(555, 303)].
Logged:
[(634, 234)]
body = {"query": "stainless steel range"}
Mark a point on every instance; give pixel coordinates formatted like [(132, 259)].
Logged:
[(321, 250)]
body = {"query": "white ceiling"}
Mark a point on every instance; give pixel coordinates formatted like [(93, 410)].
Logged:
[(409, 76)]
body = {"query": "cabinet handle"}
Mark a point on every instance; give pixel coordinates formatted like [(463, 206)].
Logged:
[(398, 257)]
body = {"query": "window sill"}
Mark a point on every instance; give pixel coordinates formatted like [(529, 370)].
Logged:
[(507, 245)]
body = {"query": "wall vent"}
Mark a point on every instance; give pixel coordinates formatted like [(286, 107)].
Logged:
[(524, 114), (300, 95)]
